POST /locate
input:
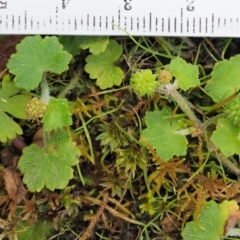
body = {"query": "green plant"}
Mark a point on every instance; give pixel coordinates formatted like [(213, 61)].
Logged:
[(14, 104), (151, 139), (212, 221), (58, 154)]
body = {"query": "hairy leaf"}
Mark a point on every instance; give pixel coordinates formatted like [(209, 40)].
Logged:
[(49, 166), (70, 43), (211, 222), (57, 114), (227, 137), (161, 134), (102, 67), (185, 73), (13, 104), (37, 231), (225, 79), (95, 44), (34, 57)]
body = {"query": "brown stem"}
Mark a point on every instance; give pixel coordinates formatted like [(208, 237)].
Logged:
[(19, 143)]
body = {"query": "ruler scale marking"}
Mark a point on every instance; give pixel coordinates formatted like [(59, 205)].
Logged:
[(87, 17)]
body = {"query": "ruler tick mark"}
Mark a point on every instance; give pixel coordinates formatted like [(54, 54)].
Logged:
[(94, 22), (175, 24), (200, 25), (150, 22), (113, 23), (119, 17), (212, 23), (206, 25), (25, 20), (169, 25), (87, 21), (19, 22), (181, 28), (156, 24), (13, 22), (144, 24), (194, 24), (75, 23)]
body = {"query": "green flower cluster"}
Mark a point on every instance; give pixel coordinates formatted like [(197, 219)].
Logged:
[(144, 82), (35, 108)]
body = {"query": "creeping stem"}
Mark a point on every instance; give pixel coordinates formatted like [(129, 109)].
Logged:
[(171, 91)]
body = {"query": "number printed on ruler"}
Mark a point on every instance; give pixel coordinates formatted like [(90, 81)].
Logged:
[(116, 17)]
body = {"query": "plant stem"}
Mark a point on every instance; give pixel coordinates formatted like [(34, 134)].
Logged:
[(45, 89), (88, 138), (73, 82), (171, 91), (182, 103), (232, 167)]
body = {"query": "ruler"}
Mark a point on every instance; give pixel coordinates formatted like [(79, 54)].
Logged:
[(213, 18)]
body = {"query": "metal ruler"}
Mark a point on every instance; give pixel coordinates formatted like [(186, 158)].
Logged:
[(215, 18)]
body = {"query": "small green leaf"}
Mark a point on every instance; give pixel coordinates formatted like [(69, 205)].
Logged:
[(38, 231), (35, 56), (96, 45), (211, 222), (102, 67), (161, 134), (227, 137), (57, 115), (70, 44), (14, 104), (49, 166), (185, 73), (225, 79)]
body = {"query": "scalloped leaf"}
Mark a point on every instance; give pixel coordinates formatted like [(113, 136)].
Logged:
[(95, 44), (225, 79), (49, 166), (70, 44), (185, 73), (211, 221), (102, 66), (34, 57), (14, 104), (57, 115), (227, 137), (161, 134)]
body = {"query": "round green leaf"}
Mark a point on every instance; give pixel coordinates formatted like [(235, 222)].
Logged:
[(35, 56), (227, 137), (102, 66), (57, 114), (225, 79), (50, 167), (161, 134), (185, 73)]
